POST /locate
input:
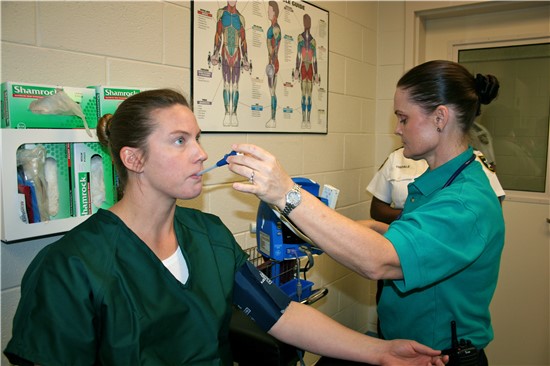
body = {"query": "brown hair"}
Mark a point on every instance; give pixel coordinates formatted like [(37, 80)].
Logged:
[(131, 124), (443, 82)]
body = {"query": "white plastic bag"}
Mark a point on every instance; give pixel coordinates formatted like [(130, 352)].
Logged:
[(59, 103), (33, 159)]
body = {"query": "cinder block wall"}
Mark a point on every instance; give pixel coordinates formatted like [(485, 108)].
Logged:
[(149, 44)]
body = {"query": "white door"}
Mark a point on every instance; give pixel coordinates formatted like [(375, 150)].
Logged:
[(520, 308)]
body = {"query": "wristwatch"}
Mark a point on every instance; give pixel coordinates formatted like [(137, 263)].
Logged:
[(293, 199)]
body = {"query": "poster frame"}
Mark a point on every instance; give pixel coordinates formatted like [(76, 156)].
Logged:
[(254, 107)]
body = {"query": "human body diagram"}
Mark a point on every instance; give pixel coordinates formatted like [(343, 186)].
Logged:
[(283, 94), (306, 69), (273, 42), (230, 47)]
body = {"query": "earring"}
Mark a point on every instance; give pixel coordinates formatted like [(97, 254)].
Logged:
[(438, 120)]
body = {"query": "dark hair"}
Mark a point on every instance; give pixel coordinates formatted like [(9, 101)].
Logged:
[(131, 124), (442, 82), (275, 7)]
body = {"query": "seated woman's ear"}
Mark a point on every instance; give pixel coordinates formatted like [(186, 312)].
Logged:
[(132, 159)]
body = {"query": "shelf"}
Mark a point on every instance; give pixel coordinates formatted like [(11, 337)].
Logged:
[(12, 228)]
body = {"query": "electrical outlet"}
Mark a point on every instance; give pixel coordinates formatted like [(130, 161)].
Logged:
[(331, 194)]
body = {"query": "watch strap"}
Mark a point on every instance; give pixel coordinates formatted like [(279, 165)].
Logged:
[(289, 206)]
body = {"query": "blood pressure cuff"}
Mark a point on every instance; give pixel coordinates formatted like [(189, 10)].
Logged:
[(258, 297)]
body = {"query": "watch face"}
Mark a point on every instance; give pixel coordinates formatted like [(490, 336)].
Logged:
[(294, 197)]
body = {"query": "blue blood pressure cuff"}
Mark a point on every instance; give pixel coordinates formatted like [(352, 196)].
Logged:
[(258, 297)]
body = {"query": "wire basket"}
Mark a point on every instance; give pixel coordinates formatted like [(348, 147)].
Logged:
[(286, 275), (280, 272)]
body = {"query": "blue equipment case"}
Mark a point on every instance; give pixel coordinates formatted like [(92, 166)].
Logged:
[(275, 239)]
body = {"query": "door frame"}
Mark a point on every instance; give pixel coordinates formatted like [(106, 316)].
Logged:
[(417, 13)]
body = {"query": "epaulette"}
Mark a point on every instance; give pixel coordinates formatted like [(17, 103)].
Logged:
[(489, 164)]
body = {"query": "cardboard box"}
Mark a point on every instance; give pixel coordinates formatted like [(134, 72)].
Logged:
[(82, 159), (108, 98), (17, 98)]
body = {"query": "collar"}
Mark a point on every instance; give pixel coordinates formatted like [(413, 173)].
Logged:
[(433, 180)]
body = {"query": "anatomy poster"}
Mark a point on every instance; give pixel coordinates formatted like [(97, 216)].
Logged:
[(260, 66)]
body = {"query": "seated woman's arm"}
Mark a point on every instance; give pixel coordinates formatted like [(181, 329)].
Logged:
[(309, 329)]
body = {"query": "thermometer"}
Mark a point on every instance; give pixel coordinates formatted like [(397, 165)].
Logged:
[(221, 162)]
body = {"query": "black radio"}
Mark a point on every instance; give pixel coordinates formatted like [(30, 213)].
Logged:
[(463, 352)]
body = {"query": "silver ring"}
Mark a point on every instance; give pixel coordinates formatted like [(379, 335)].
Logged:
[(251, 179)]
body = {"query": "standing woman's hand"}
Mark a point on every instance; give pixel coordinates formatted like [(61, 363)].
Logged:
[(267, 179)]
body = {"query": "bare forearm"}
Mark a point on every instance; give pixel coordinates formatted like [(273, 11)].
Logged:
[(359, 248), (382, 211), (311, 330), (377, 226)]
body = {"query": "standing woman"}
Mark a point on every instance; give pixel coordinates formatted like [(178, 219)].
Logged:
[(441, 259), (150, 283)]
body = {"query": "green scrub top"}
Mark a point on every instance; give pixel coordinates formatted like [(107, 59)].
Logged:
[(100, 296), (449, 242)]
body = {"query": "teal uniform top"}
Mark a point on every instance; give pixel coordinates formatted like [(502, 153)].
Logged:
[(449, 242), (100, 296)]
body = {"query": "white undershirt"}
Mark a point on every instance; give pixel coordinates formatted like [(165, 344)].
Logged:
[(177, 266)]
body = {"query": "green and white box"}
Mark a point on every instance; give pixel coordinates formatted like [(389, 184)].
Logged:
[(93, 178), (47, 111), (108, 98)]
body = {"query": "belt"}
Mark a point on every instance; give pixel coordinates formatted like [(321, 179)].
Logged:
[(476, 357)]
